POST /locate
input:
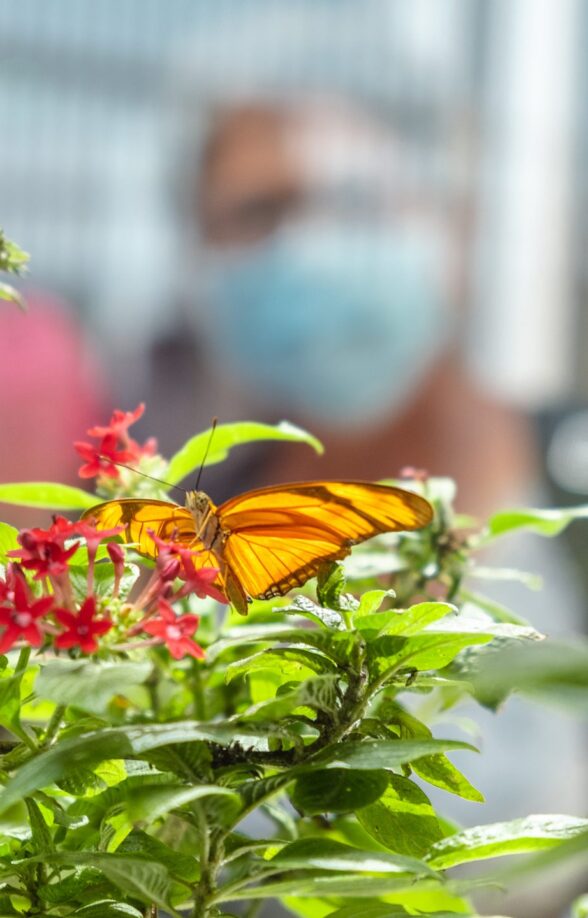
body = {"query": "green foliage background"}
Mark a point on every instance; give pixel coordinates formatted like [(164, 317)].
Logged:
[(128, 778)]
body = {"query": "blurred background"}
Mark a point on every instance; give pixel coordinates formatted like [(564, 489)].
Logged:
[(169, 163), (366, 218)]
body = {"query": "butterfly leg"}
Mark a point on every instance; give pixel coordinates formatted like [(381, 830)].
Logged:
[(234, 591), (232, 587)]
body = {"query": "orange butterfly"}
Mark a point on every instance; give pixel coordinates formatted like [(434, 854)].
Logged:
[(267, 541)]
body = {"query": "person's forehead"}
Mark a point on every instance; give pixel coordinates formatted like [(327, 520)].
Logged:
[(332, 139), (247, 144), (320, 137)]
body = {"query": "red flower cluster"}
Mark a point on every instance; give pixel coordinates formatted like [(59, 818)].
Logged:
[(46, 553), (81, 628), (47, 611), (43, 550), (176, 631), (177, 560), (115, 445), (19, 611), (26, 617)]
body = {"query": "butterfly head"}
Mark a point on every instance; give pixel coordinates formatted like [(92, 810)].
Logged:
[(199, 504)]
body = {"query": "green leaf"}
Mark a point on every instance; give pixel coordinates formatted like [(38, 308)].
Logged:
[(293, 662), (544, 522), (149, 803), (70, 756), (330, 584), (404, 622), (501, 838), (303, 605), (337, 645), (146, 880), (371, 601), (337, 790), (370, 911), (318, 693), (375, 754), (103, 580), (569, 852), (326, 854), (403, 819), (354, 886), (432, 650), (183, 868), (438, 770), (8, 540), (41, 836), (307, 908), (386, 911), (12, 295), (259, 789), (580, 907), (227, 436), (554, 671), (506, 574), (98, 806), (108, 908), (88, 684), (13, 259), (284, 670), (47, 495), (84, 886), (10, 701), (242, 635)]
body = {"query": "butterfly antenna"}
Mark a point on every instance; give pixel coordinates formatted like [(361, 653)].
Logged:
[(206, 451), (143, 474)]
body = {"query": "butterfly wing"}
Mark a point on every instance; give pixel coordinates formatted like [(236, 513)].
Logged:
[(168, 521), (279, 537)]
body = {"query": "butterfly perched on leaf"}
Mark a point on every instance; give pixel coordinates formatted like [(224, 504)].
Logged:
[(267, 541)]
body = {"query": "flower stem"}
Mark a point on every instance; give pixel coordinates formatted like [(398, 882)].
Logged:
[(53, 725), (23, 661), (197, 691)]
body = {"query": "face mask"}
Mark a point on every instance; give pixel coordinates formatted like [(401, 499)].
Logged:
[(332, 324)]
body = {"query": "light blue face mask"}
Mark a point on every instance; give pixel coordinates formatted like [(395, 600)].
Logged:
[(335, 325)]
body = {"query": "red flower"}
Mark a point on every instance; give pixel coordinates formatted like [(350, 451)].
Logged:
[(81, 628), (101, 459), (21, 619), (93, 536), (175, 631), (43, 550), (119, 424), (117, 556), (115, 446), (199, 580)]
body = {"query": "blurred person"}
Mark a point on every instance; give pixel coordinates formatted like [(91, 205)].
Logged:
[(326, 243), (325, 254), (328, 284), (51, 390)]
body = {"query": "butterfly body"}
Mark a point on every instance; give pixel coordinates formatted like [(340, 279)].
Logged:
[(267, 541), (207, 525)]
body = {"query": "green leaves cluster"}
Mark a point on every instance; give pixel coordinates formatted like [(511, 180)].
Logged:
[(12, 261), (129, 782)]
